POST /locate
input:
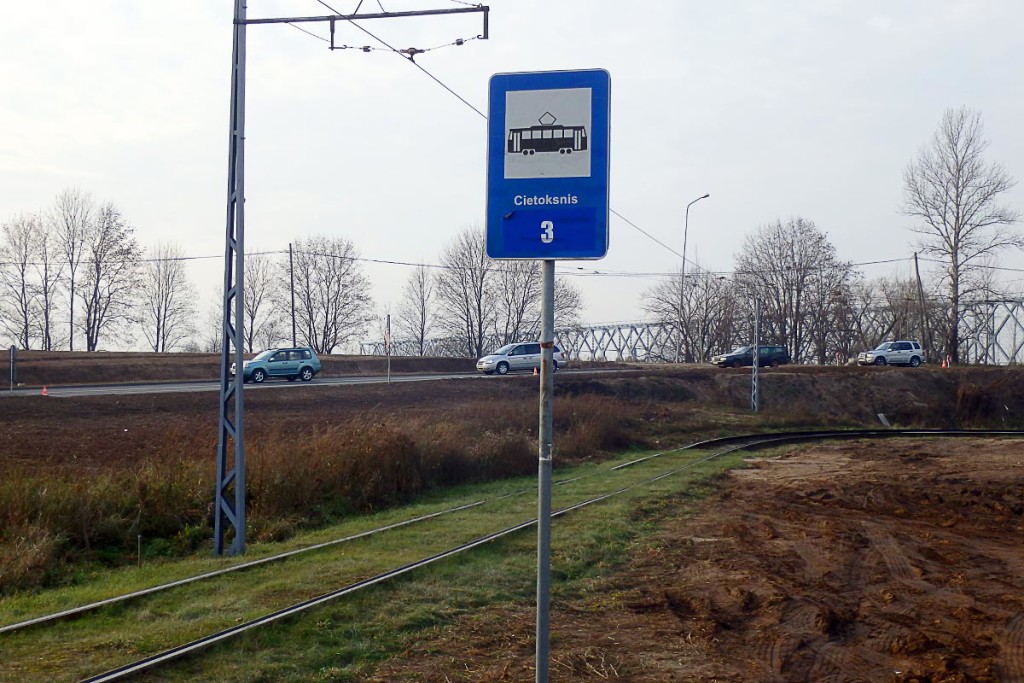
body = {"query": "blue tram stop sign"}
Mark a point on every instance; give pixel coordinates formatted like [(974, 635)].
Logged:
[(547, 165)]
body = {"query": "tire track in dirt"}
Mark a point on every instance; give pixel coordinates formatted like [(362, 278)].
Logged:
[(1010, 665), (891, 552), (772, 655)]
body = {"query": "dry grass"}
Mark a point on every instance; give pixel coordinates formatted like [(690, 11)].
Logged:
[(123, 468), (56, 519)]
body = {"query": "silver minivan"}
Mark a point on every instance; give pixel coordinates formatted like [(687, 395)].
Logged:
[(513, 357)]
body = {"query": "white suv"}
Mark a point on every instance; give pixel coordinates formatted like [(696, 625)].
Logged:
[(893, 353)]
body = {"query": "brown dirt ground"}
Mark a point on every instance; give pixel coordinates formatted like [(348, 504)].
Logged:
[(867, 561), (876, 561)]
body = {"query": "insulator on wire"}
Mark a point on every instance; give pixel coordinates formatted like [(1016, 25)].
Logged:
[(459, 41), (366, 48)]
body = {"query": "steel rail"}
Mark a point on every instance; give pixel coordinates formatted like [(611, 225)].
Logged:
[(735, 443), (75, 611), (779, 438), (171, 654), (82, 609)]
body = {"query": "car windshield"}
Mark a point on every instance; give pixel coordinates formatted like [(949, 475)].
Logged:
[(263, 355), (740, 349), (503, 350), (884, 346)]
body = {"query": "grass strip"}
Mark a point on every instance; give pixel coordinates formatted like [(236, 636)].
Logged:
[(118, 635)]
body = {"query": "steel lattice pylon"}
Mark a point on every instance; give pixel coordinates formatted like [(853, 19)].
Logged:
[(229, 502)]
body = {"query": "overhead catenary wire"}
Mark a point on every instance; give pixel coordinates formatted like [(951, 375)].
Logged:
[(604, 273), (408, 55), (409, 58), (480, 113)]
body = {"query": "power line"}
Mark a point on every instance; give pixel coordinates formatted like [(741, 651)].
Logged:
[(587, 272), (646, 233), (410, 58)]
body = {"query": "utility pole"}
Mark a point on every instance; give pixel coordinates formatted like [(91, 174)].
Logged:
[(291, 275), (925, 336), (229, 502), (387, 343)]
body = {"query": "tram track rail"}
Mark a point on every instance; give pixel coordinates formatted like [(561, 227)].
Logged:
[(719, 446)]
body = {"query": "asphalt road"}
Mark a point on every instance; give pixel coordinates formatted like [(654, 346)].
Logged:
[(72, 391)]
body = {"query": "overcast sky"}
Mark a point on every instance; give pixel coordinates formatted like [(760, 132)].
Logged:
[(777, 108)]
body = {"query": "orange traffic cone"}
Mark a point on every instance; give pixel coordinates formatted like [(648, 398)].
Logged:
[(944, 363), (535, 371), (44, 390)]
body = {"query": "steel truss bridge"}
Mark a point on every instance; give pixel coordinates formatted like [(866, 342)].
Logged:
[(993, 334)]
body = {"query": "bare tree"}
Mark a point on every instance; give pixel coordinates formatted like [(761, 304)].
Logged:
[(827, 304), (264, 301), (953, 193), (109, 281), (705, 315), (568, 306), (19, 295), (792, 269), (332, 300), (167, 299), (416, 311), (465, 289), (213, 329), (49, 270), (517, 293), (71, 218)]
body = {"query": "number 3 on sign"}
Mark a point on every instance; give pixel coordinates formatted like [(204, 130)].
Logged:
[(548, 234)]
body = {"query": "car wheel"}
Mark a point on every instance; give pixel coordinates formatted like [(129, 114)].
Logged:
[(775, 363), (502, 368), (879, 361), (306, 374), (915, 362), (258, 376), (734, 364)]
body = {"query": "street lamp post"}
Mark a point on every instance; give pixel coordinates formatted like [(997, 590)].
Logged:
[(682, 273)]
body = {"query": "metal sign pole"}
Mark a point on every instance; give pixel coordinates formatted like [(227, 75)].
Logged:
[(547, 199), (544, 438), (14, 371), (387, 344)]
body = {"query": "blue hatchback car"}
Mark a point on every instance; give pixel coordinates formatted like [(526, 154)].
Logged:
[(292, 363)]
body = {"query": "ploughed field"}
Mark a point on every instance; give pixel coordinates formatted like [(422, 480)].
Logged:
[(860, 561)]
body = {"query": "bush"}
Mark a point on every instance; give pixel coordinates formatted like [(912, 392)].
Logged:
[(56, 518)]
